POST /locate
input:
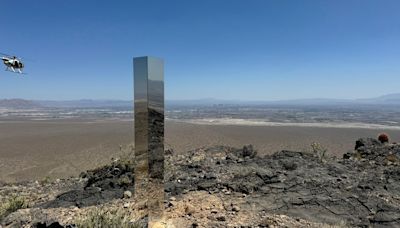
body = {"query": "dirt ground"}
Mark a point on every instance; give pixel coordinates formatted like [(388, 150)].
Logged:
[(58, 149)]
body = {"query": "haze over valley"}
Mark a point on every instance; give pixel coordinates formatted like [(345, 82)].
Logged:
[(380, 112), (36, 136)]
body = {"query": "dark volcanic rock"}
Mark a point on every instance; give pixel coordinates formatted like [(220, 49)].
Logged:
[(367, 142), (357, 192), (118, 175), (371, 150), (103, 184), (52, 225), (248, 151), (362, 189)]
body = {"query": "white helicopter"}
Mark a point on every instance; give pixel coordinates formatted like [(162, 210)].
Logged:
[(13, 64)]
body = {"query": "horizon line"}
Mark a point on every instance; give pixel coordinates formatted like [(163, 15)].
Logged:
[(205, 99)]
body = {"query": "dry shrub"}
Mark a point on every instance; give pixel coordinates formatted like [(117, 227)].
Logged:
[(101, 217), (392, 158), (11, 205), (319, 151)]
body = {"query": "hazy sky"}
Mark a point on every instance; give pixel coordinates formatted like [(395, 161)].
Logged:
[(247, 49)]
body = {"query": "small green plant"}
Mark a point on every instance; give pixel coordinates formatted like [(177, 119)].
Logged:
[(319, 151), (101, 218), (125, 180), (11, 205), (45, 180), (127, 154), (127, 149), (357, 155)]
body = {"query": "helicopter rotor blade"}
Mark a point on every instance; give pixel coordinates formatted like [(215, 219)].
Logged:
[(5, 54), (17, 57), (25, 59)]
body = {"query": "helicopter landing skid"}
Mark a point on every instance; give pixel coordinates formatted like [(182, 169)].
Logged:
[(18, 71)]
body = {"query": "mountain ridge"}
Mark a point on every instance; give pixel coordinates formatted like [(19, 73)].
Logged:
[(388, 99), (18, 103)]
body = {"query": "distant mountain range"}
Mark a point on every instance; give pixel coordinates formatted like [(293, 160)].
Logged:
[(386, 99), (84, 103), (18, 104), (390, 99)]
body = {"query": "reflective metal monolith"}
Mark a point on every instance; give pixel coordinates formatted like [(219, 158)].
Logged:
[(149, 135)]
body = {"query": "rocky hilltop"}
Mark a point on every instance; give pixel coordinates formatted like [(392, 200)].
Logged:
[(229, 187)]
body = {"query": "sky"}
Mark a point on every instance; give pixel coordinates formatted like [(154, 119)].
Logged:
[(222, 49)]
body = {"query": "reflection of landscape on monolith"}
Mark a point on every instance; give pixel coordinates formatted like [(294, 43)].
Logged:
[(156, 151), (149, 136), (156, 165)]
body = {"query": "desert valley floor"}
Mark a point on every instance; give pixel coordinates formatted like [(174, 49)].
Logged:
[(57, 149)]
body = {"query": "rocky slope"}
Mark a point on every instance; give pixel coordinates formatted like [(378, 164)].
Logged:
[(229, 187)]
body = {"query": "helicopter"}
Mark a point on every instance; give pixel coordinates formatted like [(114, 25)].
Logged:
[(12, 63)]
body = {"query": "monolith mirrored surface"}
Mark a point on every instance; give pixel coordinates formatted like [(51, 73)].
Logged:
[(149, 134)]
